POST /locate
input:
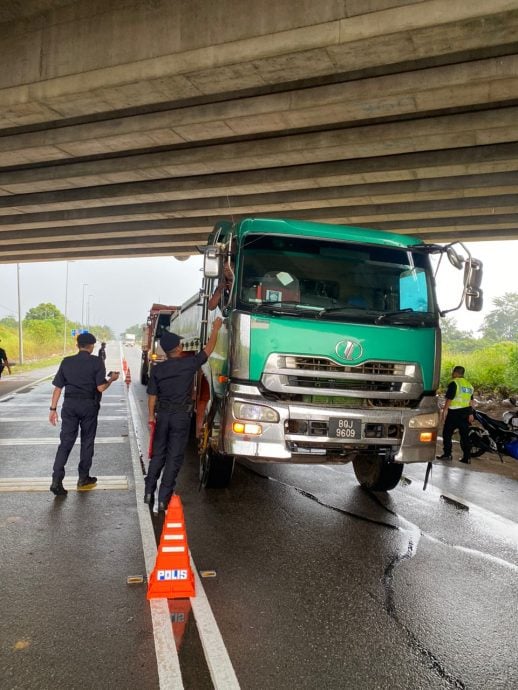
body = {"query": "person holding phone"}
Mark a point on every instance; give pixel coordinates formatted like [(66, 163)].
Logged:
[(83, 376)]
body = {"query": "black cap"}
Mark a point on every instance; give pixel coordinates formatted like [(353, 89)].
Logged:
[(86, 339), (169, 341)]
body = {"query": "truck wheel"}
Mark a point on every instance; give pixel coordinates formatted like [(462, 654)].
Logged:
[(375, 473), (144, 372), (477, 443), (215, 469)]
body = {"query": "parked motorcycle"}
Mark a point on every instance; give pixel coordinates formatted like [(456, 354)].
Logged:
[(495, 436), (511, 417)]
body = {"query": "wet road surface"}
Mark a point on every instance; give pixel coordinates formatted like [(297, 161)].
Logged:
[(318, 584)]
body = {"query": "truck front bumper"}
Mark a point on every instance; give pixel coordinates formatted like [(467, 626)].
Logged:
[(301, 433)]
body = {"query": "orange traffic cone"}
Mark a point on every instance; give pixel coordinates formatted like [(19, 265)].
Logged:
[(124, 365), (172, 576), (128, 377)]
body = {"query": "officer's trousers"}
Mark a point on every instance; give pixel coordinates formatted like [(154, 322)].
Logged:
[(457, 419), (169, 443), (76, 413)]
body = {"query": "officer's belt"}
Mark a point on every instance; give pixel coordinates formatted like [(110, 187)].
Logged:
[(168, 406), (81, 396)]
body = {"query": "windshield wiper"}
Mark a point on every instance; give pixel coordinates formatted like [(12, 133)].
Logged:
[(391, 314), (345, 309), (295, 308)]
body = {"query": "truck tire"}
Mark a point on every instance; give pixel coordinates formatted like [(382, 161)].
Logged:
[(375, 473), (215, 469), (144, 371)]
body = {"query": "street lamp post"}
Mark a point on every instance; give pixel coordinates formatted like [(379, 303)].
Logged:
[(20, 329), (66, 305), (83, 305), (88, 312)]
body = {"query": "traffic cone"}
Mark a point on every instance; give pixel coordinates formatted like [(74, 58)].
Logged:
[(172, 576), (124, 365), (128, 377)]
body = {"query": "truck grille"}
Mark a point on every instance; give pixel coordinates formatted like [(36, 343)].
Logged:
[(322, 381)]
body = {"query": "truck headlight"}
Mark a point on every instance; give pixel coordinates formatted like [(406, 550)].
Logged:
[(256, 413), (424, 421)]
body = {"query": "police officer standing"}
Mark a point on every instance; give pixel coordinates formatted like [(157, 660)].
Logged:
[(457, 413), (4, 362), (83, 377), (170, 396), (102, 352)]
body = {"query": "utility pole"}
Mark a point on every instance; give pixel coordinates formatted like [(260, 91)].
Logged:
[(20, 329), (83, 306), (66, 305)]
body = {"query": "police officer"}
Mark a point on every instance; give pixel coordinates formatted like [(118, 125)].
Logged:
[(170, 396), (83, 377), (457, 413), (102, 352), (4, 362)]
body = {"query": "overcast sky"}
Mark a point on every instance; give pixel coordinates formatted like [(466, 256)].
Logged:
[(121, 291)]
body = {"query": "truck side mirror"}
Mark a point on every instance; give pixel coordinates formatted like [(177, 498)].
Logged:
[(473, 273), (474, 299), (455, 260), (211, 262)]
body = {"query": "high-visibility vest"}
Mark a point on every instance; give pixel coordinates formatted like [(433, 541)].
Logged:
[(463, 395)]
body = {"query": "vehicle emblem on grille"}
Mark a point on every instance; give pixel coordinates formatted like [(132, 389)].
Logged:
[(350, 350)]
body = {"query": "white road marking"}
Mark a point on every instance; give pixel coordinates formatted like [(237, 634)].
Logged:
[(218, 661), (169, 673), (53, 440), (220, 667), (102, 418), (22, 403), (27, 385), (105, 483)]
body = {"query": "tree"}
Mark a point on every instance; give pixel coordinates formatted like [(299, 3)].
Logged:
[(44, 312), (136, 330), (455, 339), (502, 322), (9, 322)]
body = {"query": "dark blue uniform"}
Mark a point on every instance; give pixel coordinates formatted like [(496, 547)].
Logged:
[(79, 375), (172, 382)]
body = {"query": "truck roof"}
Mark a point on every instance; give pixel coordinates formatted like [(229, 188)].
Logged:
[(162, 307), (301, 228)]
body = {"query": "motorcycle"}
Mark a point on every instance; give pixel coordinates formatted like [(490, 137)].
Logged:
[(495, 436), (511, 417)]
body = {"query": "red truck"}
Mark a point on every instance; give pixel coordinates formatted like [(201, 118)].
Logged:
[(157, 322)]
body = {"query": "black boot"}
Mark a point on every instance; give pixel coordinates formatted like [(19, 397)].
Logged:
[(57, 488), (444, 456), (149, 500)]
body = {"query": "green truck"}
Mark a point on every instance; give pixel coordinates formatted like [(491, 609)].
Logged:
[(330, 350)]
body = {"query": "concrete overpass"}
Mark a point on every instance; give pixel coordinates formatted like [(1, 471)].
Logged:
[(128, 127)]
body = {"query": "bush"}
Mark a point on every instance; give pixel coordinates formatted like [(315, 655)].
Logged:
[(492, 369)]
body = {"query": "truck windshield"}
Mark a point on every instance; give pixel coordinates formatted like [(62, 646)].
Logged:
[(328, 279)]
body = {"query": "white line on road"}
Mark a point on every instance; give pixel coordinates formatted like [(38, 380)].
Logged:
[(102, 418), (53, 440), (106, 483), (169, 673), (22, 403)]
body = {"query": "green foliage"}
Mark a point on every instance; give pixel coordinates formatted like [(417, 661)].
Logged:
[(9, 322), (136, 330), (502, 323), (454, 338), (44, 334), (44, 312), (492, 369)]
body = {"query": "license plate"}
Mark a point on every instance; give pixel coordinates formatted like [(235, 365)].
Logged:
[(342, 427)]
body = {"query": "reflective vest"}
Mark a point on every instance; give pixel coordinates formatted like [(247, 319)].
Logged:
[(463, 395)]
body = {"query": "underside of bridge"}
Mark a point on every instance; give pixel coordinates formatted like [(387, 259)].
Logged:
[(128, 127)]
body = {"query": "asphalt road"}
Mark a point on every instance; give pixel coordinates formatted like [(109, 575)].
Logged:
[(321, 584), (318, 583)]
